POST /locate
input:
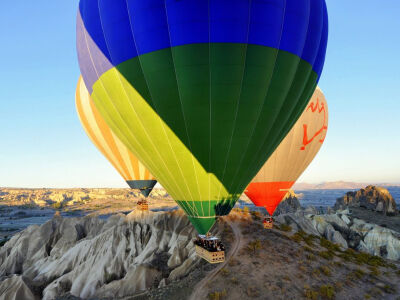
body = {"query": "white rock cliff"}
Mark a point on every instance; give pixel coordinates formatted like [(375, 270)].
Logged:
[(90, 257)]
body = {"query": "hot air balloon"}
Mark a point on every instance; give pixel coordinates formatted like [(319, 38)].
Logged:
[(135, 173), (292, 157), (202, 92)]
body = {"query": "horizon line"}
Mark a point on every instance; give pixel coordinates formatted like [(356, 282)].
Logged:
[(387, 184)]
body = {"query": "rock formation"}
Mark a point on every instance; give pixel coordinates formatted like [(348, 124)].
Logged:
[(68, 197), (342, 229), (89, 257), (289, 204), (15, 288), (372, 197)]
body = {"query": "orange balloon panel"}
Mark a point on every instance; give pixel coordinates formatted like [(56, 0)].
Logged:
[(104, 139), (292, 156)]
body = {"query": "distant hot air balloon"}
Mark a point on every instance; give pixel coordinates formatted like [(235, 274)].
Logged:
[(135, 174), (202, 92), (292, 156)]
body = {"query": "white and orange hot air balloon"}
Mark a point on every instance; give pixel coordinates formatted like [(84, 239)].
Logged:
[(292, 156), (131, 169)]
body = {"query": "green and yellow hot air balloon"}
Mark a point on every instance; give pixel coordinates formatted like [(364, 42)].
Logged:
[(202, 92)]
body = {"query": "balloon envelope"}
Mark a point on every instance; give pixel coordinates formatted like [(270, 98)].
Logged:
[(292, 156), (202, 91), (130, 168)]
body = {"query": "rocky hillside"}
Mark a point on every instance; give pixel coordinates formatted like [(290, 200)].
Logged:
[(151, 256), (343, 229), (89, 257), (373, 198), (287, 263)]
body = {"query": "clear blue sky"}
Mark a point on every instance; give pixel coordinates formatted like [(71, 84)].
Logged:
[(43, 145)]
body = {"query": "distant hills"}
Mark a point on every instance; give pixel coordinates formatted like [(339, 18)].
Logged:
[(338, 185)]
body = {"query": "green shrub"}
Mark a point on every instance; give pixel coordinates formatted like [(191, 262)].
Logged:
[(310, 294), (374, 271), (309, 239), (296, 237), (327, 291), (329, 245), (302, 236), (285, 227), (316, 273), (365, 258), (337, 264), (326, 254), (359, 273), (217, 295), (224, 272), (254, 246), (362, 258), (256, 215), (310, 256), (338, 285), (389, 289), (325, 270), (308, 249)]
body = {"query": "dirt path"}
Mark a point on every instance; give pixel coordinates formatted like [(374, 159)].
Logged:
[(200, 288)]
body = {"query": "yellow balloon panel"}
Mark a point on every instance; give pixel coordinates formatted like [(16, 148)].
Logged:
[(300, 146), (105, 140)]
